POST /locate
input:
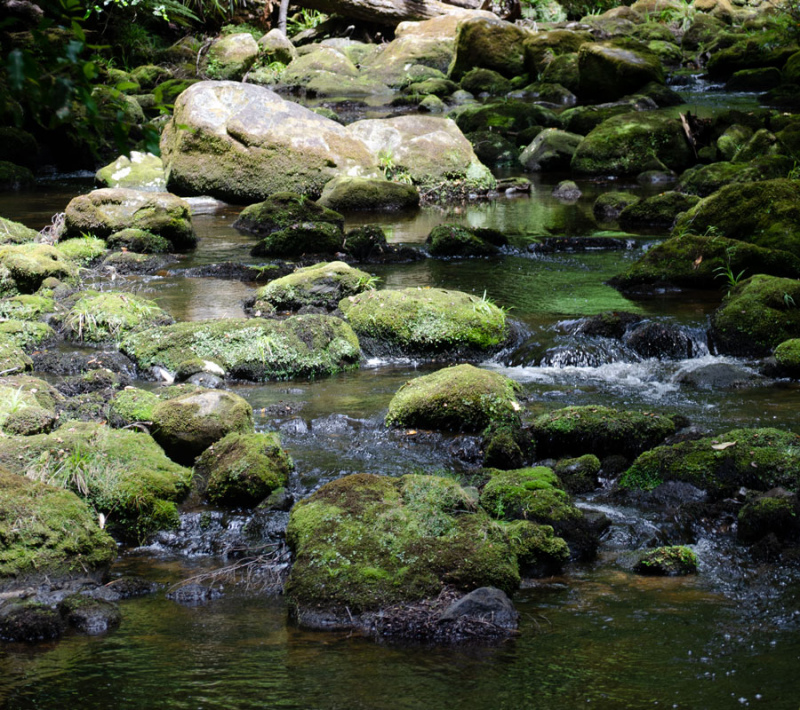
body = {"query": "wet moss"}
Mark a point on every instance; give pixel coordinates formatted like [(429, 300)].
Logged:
[(13, 359), (578, 475), (302, 346), (25, 334), (460, 398), (15, 233), (538, 549), (704, 180), (26, 307), (671, 561), (787, 355), (426, 321), (281, 210), (30, 264), (776, 513), (656, 211), (754, 458), (301, 239), (366, 541), (82, 250), (139, 241), (132, 405), (601, 431), (455, 240)]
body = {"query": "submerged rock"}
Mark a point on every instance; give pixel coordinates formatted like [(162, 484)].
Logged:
[(672, 561), (775, 513), (29, 622), (460, 398), (456, 240), (425, 322), (281, 210), (90, 616)]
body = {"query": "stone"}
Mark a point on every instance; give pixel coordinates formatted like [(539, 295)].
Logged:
[(457, 240), (275, 47), (140, 171), (550, 151), (353, 194), (489, 44), (611, 70), (486, 604), (231, 56), (673, 561)]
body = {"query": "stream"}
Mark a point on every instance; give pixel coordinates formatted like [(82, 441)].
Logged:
[(598, 636)]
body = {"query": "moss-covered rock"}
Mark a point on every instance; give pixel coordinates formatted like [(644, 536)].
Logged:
[(505, 118), (671, 561), (121, 473), (280, 211), (539, 550), (543, 48), (305, 238), (563, 71), (578, 475), (243, 469), (492, 148), (702, 32), (425, 322), (229, 57), (302, 346), (47, 532), (139, 171), (21, 410), (461, 398), (601, 431), (608, 206), (90, 615), (551, 150), (109, 316), (322, 285), (754, 79), (26, 307), (139, 241), (25, 334), (363, 542), (15, 177), (777, 513), (701, 262), (83, 251), (30, 621), (765, 213), (613, 69), (354, 194), (703, 180), (758, 314), (787, 355), (490, 44), (760, 50), (13, 359), (754, 458), (481, 82), (457, 240), (29, 264), (15, 233), (632, 143), (656, 211), (108, 210)]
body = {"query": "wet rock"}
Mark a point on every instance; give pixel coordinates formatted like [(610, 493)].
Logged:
[(610, 325), (129, 587), (718, 376), (425, 322), (139, 241), (194, 594), (656, 211), (659, 340), (774, 513), (300, 239), (276, 47), (490, 44), (611, 70), (704, 180), (353, 194), (787, 358), (456, 240), (503, 447), (15, 177), (29, 622), (506, 118), (460, 398), (567, 190), (368, 244), (674, 561), (128, 262), (578, 475), (486, 604), (550, 151), (281, 210), (139, 171), (90, 616), (551, 245)]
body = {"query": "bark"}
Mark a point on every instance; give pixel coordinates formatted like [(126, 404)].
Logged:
[(390, 12)]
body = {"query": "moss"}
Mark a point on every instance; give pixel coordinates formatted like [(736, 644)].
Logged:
[(456, 240), (764, 49), (366, 241), (609, 205), (15, 233), (460, 398), (281, 210), (426, 321), (505, 118), (539, 550), (787, 355), (365, 541), (703, 180), (139, 241), (47, 532), (672, 561), (482, 42), (775, 513), (29, 420), (28, 307), (528, 494), (300, 239), (243, 469), (550, 151), (302, 346), (322, 285), (15, 399), (25, 334), (485, 81), (13, 359), (44, 394), (754, 458), (123, 474), (15, 177), (132, 405), (656, 211), (82, 250), (30, 264), (109, 316), (352, 194), (613, 69), (584, 119), (578, 475), (759, 314), (766, 214)]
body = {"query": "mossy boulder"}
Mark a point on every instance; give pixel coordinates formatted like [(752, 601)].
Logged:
[(632, 143), (90, 615), (150, 75), (543, 48), (563, 71), (109, 316), (241, 142), (229, 57), (282, 210), (701, 262), (670, 561), (26, 307), (656, 211), (121, 473), (47, 532), (13, 359), (460, 398), (760, 459), (363, 542), (25, 334), (481, 82), (489, 44), (274, 46), (29, 264), (355, 194), (551, 150), (15, 233), (703, 180), (242, 469), (108, 210), (505, 118), (457, 240), (492, 148), (425, 322), (754, 79), (83, 251), (139, 171), (613, 69), (601, 431), (301, 346), (187, 425), (540, 552), (775, 513), (764, 213), (23, 410), (758, 314), (139, 241), (132, 405), (319, 61), (608, 206), (322, 285), (584, 119), (15, 177), (29, 621), (297, 240), (760, 50), (578, 475), (787, 356), (702, 32)]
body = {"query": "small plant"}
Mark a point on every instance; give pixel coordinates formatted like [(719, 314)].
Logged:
[(794, 173), (788, 301), (304, 20), (368, 283), (726, 272)]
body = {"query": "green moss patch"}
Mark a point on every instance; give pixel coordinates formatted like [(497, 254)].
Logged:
[(15, 233), (26, 307), (282, 210), (455, 240), (460, 398), (30, 264), (82, 250), (671, 561), (25, 334)]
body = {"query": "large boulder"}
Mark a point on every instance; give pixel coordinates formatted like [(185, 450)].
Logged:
[(276, 47), (47, 533), (759, 314), (458, 240), (542, 48), (611, 70), (703, 180), (187, 425), (121, 473), (108, 210), (425, 322), (489, 43), (633, 143), (355, 194), (656, 211), (231, 56), (242, 142), (551, 150), (302, 346), (766, 214), (460, 398)]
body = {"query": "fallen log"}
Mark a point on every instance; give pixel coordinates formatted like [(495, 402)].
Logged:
[(391, 12)]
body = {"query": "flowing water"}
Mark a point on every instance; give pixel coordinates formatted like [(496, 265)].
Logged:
[(599, 636)]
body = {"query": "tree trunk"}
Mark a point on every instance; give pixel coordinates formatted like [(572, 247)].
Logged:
[(283, 11), (390, 12)]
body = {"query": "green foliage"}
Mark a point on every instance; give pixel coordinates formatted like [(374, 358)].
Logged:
[(306, 19), (726, 272)]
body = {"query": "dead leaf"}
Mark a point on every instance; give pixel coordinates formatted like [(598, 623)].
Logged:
[(697, 262), (724, 445)]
